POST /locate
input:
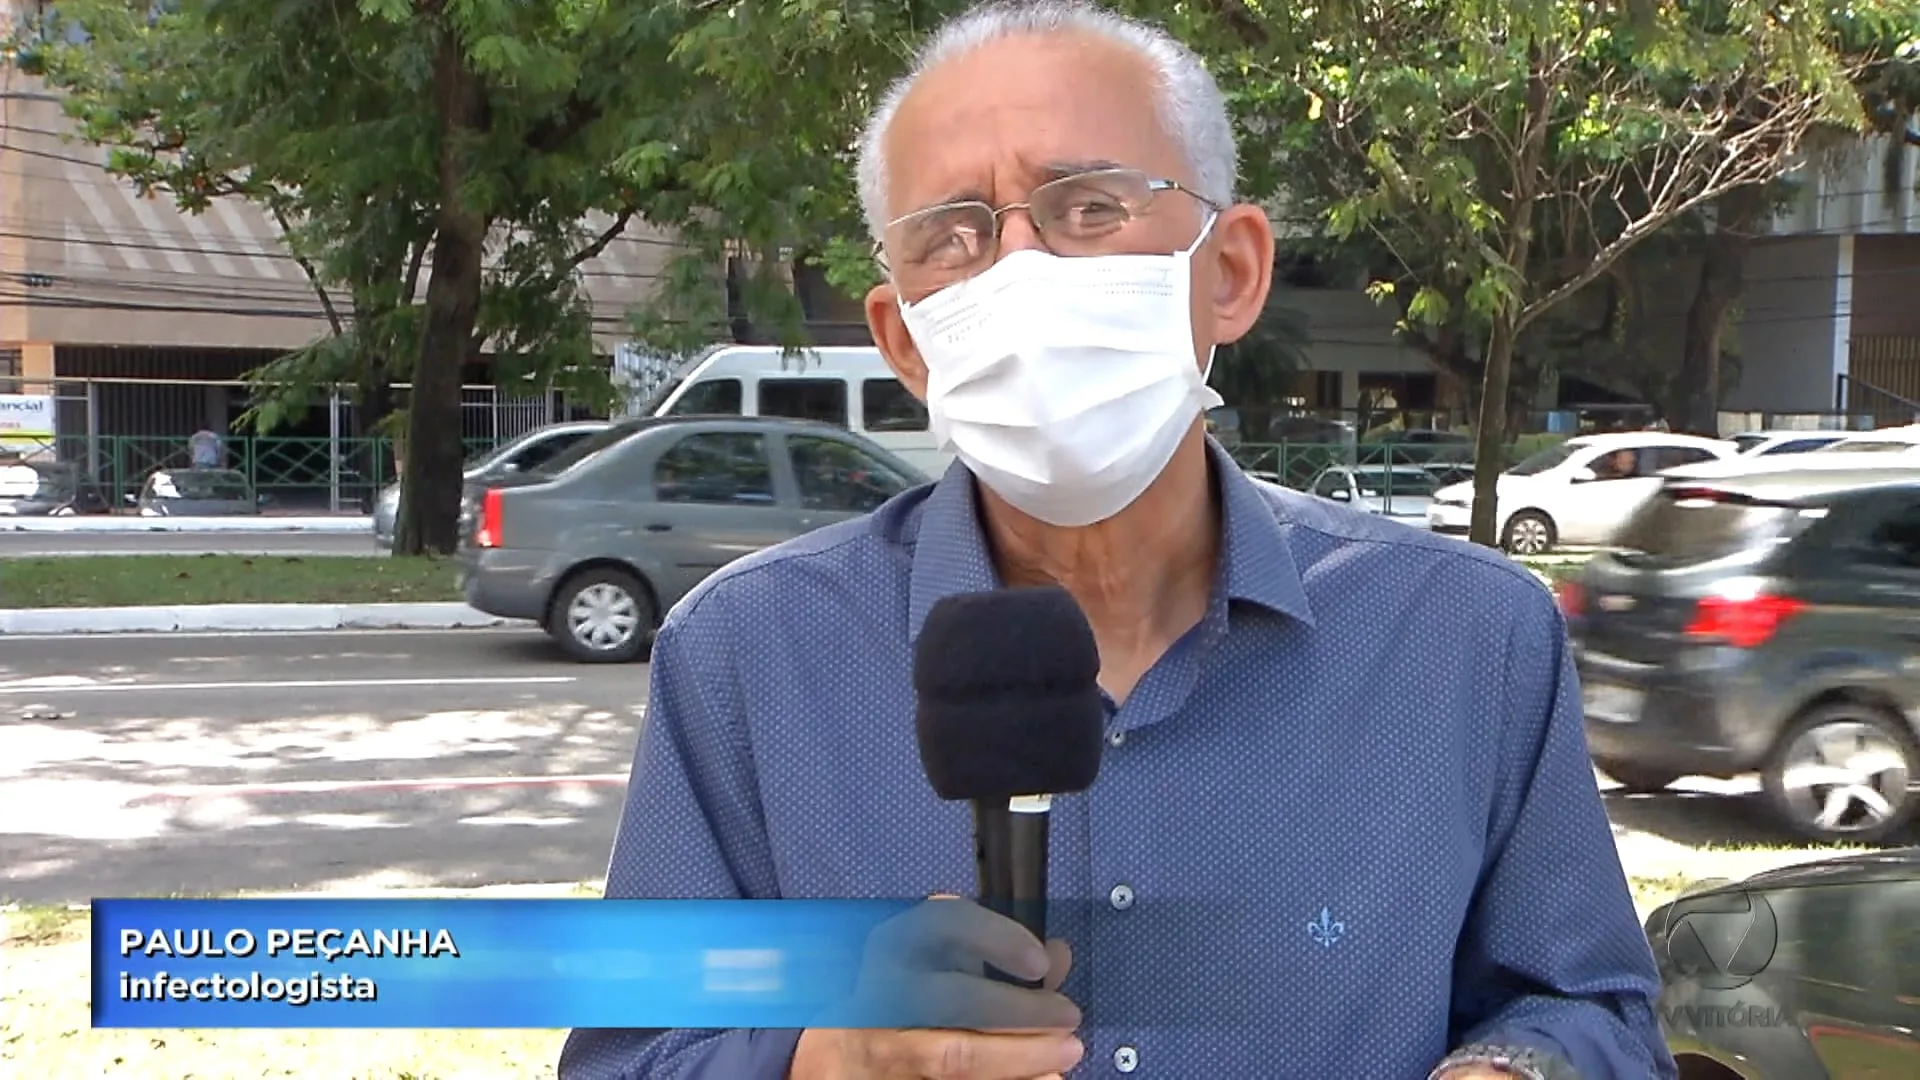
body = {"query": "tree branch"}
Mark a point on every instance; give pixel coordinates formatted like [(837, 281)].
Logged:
[(313, 276), (555, 132), (592, 251)]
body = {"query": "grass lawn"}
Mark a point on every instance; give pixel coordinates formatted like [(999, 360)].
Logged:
[(44, 1021), (158, 580)]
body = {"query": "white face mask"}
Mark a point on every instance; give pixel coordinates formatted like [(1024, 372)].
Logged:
[(1065, 384)]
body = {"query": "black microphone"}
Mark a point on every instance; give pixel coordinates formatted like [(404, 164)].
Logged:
[(1009, 715)]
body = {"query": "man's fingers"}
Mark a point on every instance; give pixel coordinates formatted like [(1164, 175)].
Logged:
[(958, 1000), (1060, 961), (968, 1055), (958, 934)]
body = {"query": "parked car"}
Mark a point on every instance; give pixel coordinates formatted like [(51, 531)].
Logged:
[(1765, 623), (1754, 444), (598, 543), (47, 489), (1575, 493), (1891, 440), (516, 455), (848, 386), (1811, 972), (1401, 492), (197, 493), (1825, 459)]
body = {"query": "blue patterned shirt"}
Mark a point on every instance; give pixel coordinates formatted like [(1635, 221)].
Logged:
[(1344, 825)]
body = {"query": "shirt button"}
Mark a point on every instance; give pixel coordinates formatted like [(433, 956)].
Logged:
[(1116, 738), (1121, 897), (1126, 1059)]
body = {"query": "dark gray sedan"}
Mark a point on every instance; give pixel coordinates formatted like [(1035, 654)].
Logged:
[(600, 541), (1810, 972), (1763, 623)]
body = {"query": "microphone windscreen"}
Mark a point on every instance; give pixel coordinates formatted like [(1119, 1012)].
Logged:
[(1008, 695)]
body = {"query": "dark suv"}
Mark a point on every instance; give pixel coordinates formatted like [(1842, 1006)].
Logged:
[(1766, 622)]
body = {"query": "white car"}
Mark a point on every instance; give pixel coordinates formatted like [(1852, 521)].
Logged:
[(1576, 493), (1400, 492), (1892, 440), (1756, 444)]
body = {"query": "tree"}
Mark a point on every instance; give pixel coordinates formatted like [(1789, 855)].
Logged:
[(147, 88), (408, 144), (1485, 127)]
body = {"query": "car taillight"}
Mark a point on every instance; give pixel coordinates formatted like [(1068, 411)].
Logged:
[(488, 534), (1572, 596), (1743, 622)]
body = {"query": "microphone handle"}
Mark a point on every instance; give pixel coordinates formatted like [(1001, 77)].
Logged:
[(1011, 849)]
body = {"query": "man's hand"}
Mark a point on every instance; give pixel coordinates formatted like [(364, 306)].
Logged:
[(1011, 1033)]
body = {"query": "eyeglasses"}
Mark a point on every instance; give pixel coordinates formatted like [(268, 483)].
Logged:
[(1083, 214)]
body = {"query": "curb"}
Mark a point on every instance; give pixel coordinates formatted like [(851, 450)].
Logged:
[(263, 618), (129, 524)]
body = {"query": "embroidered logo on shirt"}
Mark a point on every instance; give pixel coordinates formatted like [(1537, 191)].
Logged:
[(1326, 929)]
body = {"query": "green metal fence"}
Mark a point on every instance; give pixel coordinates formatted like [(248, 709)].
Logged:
[(315, 474), (321, 474)]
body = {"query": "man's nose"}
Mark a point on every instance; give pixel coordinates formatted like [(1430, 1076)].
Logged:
[(1017, 231)]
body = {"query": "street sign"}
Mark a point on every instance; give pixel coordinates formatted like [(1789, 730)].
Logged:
[(26, 422)]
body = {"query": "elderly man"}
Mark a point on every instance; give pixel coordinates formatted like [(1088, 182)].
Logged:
[(1346, 826)]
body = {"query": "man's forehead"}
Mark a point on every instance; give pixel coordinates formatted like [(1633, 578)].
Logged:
[(1021, 111)]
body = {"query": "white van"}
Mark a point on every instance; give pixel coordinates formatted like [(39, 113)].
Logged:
[(850, 387)]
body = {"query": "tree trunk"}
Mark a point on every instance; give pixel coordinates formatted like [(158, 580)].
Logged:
[(1490, 433), (1723, 268), (372, 394), (431, 472)]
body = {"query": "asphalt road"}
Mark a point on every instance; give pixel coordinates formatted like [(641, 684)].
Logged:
[(195, 764), (42, 544)]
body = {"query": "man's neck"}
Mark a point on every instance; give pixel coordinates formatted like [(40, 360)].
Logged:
[(1143, 577)]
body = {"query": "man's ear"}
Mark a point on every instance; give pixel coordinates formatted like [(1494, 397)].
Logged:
[(889, 331), (1242, 254)]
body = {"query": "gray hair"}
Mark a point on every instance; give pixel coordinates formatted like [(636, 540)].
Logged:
[(1190, 105)]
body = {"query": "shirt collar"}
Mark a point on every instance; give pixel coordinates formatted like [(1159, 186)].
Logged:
[(950, 553)]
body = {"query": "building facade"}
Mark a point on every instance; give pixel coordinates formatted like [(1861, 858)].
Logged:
[(143, 320), (1831, 319)]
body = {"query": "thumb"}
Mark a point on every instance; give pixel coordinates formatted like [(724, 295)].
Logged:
[(1059, 962)]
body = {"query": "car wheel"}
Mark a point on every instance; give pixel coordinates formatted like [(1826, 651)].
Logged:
[(1843, 772), (1528, 532), (1638, 779), (603, 616)]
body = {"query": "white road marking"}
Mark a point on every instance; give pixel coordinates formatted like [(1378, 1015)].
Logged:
[(70, 684)]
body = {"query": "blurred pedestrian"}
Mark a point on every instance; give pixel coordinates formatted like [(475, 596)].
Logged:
[(204, 449)]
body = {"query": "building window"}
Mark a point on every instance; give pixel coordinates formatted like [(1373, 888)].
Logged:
[(11, 366)]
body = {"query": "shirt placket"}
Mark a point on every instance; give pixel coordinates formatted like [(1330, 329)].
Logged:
[(1119, 811), (1113, 1043)]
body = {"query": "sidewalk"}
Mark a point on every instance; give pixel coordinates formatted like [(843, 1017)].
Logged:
[(125, 523), (261, 618)]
